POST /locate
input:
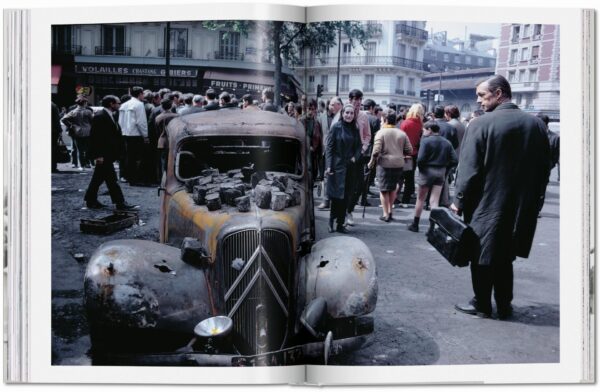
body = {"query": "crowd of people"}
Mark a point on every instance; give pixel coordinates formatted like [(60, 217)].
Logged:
[(493, 159)]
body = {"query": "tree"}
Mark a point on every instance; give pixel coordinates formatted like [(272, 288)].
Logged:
[(287, 40)]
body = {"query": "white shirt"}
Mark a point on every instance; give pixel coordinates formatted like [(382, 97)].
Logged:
[(132, 118)]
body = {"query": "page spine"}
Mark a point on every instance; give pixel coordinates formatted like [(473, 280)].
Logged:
[(589, 234), (16, 194)]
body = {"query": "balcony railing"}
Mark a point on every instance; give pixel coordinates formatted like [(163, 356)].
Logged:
[(535, 60), (399, 91), (73, 49), (229, 56), (175, 53), (412, 31), (536, 37), (368, 60), (112, 51), (368, 89), (411, 93), (515, 39)]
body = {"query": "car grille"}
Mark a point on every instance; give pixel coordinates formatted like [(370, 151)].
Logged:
[(256, 267)]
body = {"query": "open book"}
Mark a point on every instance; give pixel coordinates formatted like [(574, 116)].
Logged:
[(240, 269)]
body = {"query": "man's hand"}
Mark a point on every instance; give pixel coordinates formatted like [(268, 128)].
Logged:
[(371, 164), (99, 161), (455, 209)]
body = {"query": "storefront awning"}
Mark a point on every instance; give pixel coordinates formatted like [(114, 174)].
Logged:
[(55, 75), (241, 83), (238, 77)]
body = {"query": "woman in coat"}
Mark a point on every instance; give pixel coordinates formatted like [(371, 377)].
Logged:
[(342, 153)]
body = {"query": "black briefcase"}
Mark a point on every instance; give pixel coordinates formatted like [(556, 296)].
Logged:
[(450, 236)]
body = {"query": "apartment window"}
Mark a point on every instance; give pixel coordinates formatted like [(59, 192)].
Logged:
[(457, 59), (516, 33), (480, 61), (371, 52), (524, 54), (533, 75), (518, 99), (311, 83), (346, 51), (62, 37), (535, 52), (402, 51), (537, 31), (491, 62), (177, 42), (400, 85), (229, 45), (522, 76), (446, 57), (413, 52), (411, 87), (325, 82), (511, 76), (345, 83), (369, 83), (514, 55), (526, 30), (113, 39), (467, 59)]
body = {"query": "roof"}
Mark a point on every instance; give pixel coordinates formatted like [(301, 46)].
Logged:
[(450, 49), (236, 122), (478, 72)]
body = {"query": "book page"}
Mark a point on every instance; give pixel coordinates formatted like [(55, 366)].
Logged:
[(96, 53), (437, 56)]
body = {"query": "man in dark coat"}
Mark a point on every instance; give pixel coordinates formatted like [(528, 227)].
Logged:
[(105, 149), (501, 180)]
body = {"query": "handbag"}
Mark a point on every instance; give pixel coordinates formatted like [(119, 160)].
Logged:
[(62, 153), (450, 236)]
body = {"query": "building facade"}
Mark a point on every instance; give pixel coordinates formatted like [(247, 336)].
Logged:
[(529, 57), (441, 54), (105, 59), (388, 69)]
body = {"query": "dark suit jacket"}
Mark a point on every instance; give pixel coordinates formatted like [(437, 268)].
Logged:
[(105, 137), (212, 106)]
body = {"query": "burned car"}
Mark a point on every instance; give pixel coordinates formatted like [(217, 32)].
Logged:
[(237, 278)]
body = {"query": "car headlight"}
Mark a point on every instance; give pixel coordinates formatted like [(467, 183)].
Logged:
[(214, 327)]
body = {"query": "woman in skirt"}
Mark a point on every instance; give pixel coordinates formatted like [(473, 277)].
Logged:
[(436, 156), (389, 149)]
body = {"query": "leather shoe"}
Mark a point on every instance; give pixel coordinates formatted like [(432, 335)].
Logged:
[(126, 207), (342, 229), (414, 228), (472, 310), (94, 205), (504, 313)]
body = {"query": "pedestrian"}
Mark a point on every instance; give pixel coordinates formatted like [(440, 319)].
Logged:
[(79, 122), (343, 152), (56, 132), (162, 121), (298, 110), (452, 115), (248, 103), (290, 109), (360, 170), (105, 145), (436, 156), (500, 185), (196, 106), (211, 100), (333, 114), (267, 97), (390, 147), (554, 141), (225, 101), (313, 138), (133, 123), (413, 127)]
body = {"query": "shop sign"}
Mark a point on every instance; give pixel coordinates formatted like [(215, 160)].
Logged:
[(134, 71)]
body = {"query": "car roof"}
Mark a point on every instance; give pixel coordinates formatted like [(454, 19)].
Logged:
[(236, 122)]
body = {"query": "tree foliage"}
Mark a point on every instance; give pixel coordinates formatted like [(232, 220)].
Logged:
[(285, 41)]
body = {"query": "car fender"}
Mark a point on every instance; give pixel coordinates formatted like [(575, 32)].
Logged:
[(342, 271), (136, 284)]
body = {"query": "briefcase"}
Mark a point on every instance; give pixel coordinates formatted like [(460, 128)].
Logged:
[(450, 236)]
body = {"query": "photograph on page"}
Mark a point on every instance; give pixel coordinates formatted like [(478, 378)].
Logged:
[(260, 193)]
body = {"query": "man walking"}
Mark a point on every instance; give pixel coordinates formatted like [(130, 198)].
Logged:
[(500, 185), (105, 146), (133, 123)]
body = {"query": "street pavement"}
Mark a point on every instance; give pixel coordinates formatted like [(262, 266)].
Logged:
[(415, 320)]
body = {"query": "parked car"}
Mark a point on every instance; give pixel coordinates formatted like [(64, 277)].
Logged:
[(237, 278)]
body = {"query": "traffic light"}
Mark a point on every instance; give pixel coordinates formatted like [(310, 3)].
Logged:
[(319, 90)]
